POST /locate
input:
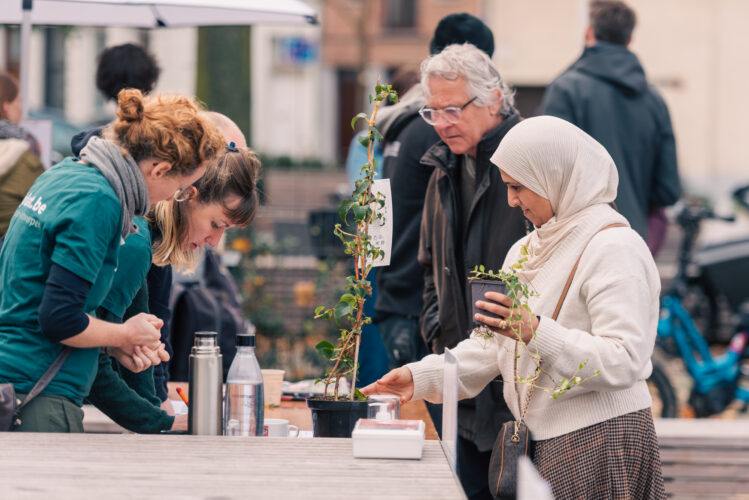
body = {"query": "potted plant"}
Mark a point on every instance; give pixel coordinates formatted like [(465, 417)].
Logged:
[(482, 281), (509, 283), (334, 415)]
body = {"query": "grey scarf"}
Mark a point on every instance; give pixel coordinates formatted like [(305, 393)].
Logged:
[(123, 175)]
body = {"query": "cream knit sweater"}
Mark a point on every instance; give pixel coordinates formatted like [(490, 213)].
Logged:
[(609, 318)]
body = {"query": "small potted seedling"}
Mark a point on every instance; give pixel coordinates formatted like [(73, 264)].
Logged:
[(482, 281), (511, 284)]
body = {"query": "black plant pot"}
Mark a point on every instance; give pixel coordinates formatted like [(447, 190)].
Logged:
[(478, 289), (335, 418)]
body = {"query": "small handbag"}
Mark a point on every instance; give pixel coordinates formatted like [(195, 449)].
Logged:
[(513, 440), (11, 406)]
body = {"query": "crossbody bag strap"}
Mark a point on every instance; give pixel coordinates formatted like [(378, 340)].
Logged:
[(574, 270), (554, 317), (47, 377)]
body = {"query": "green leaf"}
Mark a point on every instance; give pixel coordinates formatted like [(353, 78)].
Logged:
[(319, 309), (377, 135), (357, 118), (344, 208), (341, 310), (363, 140), (361, 212), (348, 299), (481, 268), (361, 187), (359, 395), (325, 349)]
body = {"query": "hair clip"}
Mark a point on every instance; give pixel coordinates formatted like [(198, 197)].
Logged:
[(232, 147)]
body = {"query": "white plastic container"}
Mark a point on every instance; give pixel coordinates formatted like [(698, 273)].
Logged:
[(388, 438)]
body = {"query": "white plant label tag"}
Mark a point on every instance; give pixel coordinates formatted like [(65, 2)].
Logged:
[(381, 230)]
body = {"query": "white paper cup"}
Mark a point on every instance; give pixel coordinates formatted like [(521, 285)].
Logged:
[(272, 387), (279, 427)]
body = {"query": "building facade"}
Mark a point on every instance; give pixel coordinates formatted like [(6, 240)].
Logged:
[(307, 82)]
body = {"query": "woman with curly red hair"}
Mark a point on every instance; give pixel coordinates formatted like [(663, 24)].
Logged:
[(62, 247)]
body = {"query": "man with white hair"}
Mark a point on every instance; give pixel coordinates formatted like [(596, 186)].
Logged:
[(466, 222)]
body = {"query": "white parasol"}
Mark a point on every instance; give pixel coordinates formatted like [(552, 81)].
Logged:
[(146, 14)]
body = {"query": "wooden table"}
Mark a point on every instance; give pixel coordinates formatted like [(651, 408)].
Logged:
[(37, 465)]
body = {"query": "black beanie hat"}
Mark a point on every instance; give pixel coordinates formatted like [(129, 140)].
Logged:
[(462, 28)]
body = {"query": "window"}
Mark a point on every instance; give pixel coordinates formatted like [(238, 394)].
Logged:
[(54, 68), (399, 14)]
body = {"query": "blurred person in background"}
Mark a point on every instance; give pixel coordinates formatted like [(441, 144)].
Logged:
[(20, 164), (606, 93), (126, 66)]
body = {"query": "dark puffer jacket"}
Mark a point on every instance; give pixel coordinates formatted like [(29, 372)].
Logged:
[(447, 250), (606, 94)]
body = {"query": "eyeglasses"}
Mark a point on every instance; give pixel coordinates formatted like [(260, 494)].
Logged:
[(182, 194), (450, 114)]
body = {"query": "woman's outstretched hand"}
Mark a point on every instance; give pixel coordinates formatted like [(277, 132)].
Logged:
[(398, 381)]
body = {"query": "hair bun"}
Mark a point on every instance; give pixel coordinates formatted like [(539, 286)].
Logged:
[(130, 105)]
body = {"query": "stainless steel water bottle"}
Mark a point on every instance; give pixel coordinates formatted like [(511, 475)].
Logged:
[(204, 414)]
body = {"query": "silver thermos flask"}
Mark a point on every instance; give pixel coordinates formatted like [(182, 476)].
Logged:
[(204, 414)]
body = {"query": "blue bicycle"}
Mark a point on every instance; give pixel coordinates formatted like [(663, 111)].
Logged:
[(715, 377)]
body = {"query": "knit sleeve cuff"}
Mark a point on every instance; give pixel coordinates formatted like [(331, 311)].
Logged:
[(549, 339), (427, 377), (165, 422)]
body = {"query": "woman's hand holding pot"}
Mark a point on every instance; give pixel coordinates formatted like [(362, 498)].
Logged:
[(501, 305)]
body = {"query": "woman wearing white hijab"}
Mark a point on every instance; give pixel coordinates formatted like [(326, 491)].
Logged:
[(597, 440)]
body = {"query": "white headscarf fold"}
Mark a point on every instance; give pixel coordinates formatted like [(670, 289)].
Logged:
[(561, 163)]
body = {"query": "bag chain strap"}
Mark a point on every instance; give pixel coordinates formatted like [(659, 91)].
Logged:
[(516, 434)]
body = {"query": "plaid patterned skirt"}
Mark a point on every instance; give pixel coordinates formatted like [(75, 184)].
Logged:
[(615, 459)]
